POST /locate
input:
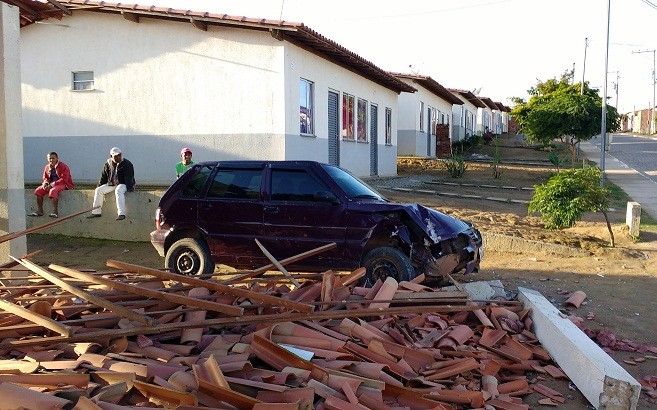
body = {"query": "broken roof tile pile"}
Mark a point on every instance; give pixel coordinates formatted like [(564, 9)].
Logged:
[(138, 337)]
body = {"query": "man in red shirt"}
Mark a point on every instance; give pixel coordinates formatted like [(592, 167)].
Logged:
[(56, 178)]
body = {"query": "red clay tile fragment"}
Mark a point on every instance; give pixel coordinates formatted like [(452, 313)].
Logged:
[(575, 300), (547, 402), (548, 392), (17, 397)]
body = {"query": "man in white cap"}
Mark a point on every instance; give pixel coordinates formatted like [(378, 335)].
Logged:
[(118, 175)]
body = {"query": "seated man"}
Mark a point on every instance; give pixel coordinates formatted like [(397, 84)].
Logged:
[(56, 178), (117, 175)]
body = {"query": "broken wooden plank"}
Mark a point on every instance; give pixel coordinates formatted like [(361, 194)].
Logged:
[(277, 264), (36, 318), (239, 320), (287, 261), (14, 235), (242, 293), (183, 300), (51, 277)]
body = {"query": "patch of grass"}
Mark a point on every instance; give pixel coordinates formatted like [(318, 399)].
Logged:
[(648, 223)]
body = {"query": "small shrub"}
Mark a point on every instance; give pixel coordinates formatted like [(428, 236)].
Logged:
[(556, 160), (497, 169), (563, 199), (455, 165)]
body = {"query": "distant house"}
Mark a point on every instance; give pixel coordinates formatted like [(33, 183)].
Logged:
[(503, 125), (424, 116), (464, 117), (152, 80), (486, 116)]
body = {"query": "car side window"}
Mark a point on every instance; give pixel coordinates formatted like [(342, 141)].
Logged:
[(293, 185), (236, 184), (195, 184)]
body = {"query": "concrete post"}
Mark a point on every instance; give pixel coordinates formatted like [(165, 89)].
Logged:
[(633, 218), (12, 198)]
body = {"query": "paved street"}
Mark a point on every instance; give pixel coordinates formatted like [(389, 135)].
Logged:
[(630, 163)]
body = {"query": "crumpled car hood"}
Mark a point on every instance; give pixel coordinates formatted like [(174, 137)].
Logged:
[(437, 225)]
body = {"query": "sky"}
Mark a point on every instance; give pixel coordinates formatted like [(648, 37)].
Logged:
[(500, 48)]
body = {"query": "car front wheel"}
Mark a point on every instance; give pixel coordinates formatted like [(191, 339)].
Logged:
[(189, 256), (385, 262)]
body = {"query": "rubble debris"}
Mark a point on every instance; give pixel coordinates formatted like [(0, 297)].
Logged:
[(205, 343)]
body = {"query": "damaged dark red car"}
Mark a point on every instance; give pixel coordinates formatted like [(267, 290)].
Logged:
[(215, 212)]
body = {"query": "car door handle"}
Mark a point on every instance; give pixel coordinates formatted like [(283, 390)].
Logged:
[(205, 207), (271, 209)]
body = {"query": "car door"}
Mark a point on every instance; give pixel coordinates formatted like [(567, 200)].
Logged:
[(231, 214), (297, 219)]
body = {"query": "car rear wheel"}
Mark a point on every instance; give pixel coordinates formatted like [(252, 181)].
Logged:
[(189, 256), (385, 262)]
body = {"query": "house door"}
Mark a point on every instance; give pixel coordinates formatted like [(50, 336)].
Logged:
[(374, 140), (333, 129)]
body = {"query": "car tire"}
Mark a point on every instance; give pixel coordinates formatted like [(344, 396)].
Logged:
[(385, 262), (189, 256)]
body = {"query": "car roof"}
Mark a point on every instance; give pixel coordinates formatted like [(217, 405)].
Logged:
[(256, 163)]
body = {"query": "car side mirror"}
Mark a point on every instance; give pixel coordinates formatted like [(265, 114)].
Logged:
[(326, 196)]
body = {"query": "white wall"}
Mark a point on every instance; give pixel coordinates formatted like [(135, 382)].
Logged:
[(354, 155), (162, 85), (159, 86)]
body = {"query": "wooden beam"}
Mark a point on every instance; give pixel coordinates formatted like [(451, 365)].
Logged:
[(242, 320), (130, 16), (61, 7), (277, 264), (14, 235), (137, 290), (54, 278), (242, 293), (201, 25), (36, 318), (291, 259)]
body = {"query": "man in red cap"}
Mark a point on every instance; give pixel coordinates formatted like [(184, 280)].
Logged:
[(186, 163)]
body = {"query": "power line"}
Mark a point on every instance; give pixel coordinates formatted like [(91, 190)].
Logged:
[(653, 5)]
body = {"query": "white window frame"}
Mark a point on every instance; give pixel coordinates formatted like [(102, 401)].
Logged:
[(388, 135), (306, 107), (348, 118), (82, 84), (361, 120), (421, 115)]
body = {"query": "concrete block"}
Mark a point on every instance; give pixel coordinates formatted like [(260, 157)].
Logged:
[(604, 383), (139, 222), (633, 218)]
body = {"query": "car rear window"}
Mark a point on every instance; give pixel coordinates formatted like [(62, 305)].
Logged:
[(195, 183), (236, 184)]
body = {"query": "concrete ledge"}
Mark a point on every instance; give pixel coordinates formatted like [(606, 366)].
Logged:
[(604, 383), (139, 222), (510, 244)]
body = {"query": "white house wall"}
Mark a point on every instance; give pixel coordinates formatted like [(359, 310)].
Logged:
[(162, 85), (412, 141), (159, 86), (354, 155)]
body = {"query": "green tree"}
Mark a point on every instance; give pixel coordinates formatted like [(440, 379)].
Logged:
[(557, 109), (563, 199)]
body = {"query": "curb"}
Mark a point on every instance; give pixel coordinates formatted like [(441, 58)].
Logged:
[(510, 244), (451, 194)]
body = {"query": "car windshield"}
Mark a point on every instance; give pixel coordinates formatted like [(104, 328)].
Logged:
[(352, 186)]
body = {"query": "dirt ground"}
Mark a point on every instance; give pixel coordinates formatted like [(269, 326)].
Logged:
[(619, 282)]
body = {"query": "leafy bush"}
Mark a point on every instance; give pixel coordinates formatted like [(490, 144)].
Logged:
[(455, 165), (563, 199), (556, 160)]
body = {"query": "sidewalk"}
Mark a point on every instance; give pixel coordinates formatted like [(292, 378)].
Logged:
[(638, 187)]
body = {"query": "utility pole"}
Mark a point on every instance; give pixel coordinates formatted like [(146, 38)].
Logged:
[(586, 45), (603, 125), (651, 129)]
